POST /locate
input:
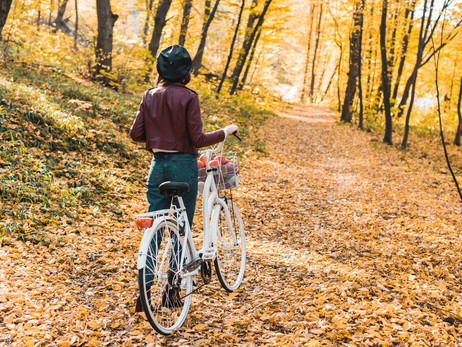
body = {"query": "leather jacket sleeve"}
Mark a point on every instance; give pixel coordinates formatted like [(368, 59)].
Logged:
[(195, 130), (137, 131)]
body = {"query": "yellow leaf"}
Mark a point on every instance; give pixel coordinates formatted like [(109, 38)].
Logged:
[(200, 327)]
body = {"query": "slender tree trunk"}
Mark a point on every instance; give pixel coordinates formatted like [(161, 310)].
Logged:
[(338, 80), (51, 12), (39, 13), (159, 24), (453, 77), (385, 88), (249, 63), (391, 54), (354, 66), (360, 84), (443, 142), (308, 51), (5, 6), (330, 82), (315, 53), (231, 48), (404, 49), (76, 31), (248, 40), (146, 21), (59, 18), (459, 115), (187, 5), (430, 28), (422, 35), (104, 41), (197, 60), (369, 58)]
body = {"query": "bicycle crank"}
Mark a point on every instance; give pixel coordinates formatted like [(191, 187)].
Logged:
[(206, 271)]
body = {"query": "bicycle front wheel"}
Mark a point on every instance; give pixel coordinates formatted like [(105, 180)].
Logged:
[(165, 295), (230, 261)]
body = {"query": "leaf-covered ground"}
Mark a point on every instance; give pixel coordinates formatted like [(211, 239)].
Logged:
[(348, 244)]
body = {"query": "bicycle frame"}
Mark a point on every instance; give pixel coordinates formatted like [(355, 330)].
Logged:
[(211, 205)]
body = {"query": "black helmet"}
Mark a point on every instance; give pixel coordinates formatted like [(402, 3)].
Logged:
[(173, 63)]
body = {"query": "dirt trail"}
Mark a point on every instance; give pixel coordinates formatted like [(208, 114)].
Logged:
[(348, 244)]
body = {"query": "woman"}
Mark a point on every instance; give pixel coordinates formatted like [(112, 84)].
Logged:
[(169, 122)]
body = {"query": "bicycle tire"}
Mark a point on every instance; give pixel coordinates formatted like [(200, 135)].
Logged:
[(159, 278), (231, 251)]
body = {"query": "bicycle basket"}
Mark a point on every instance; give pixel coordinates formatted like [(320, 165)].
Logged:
[(226, 174)]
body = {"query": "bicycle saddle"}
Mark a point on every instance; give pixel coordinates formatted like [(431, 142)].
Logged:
[(169, 189)]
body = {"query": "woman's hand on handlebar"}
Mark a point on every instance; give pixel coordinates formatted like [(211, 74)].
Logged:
[(230, 129)]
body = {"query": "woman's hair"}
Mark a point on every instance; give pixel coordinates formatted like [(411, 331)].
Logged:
[(162, 82)]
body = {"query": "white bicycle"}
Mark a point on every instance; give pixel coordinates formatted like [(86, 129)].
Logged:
[(168, 262)]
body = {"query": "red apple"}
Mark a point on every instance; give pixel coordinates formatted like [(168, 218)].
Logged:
[(231, 169), (200, 164), (202, 174), (222, 160), (224, 171), (202, 159), (214, 163)]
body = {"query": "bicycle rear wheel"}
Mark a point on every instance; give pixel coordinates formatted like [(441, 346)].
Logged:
[(165, 295), (231, 253)]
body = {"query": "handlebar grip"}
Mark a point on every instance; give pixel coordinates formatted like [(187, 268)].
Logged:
[(235, 135)]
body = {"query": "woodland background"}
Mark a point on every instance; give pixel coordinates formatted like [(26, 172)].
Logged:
[(72, 73)]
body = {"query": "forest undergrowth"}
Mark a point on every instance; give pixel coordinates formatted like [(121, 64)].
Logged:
[(350, 242)]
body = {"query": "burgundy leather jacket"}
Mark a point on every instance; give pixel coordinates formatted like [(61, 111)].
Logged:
[(169, 118)]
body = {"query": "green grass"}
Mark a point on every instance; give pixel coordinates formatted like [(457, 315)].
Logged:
[(65, 150)]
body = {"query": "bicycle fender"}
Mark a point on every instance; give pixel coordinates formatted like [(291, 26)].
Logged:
[(141, 263)]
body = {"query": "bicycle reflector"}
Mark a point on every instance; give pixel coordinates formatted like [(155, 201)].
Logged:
[(144, 223)]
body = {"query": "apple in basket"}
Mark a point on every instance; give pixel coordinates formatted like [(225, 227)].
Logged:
[(200, 164), (202, 159), (224, 171), (231, 168), (202, 174), (222, 160)]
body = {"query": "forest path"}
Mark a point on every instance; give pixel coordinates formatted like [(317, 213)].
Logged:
[(348, 244)]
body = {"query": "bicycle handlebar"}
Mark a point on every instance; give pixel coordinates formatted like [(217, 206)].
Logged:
[(220, 145)]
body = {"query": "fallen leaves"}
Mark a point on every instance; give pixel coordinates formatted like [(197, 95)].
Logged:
[(346, 245)]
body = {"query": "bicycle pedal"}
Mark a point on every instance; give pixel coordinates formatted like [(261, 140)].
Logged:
[(192, 265)]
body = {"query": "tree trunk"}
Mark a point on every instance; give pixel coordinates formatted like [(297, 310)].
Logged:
[(368, 57), (308, 50), (330, 82), (426, 39), (146, 21), (313, 65), (51, 12), (106, 21), (249, 63), (159, 24), (385, 84), (422, 35), (5, 6), (354, 66), (39, 13), (59, 18), (197, 60), (187, 5), (76, 31), (404, 46), (360, 84), (459, 114), (248, 40), (231, 48)]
